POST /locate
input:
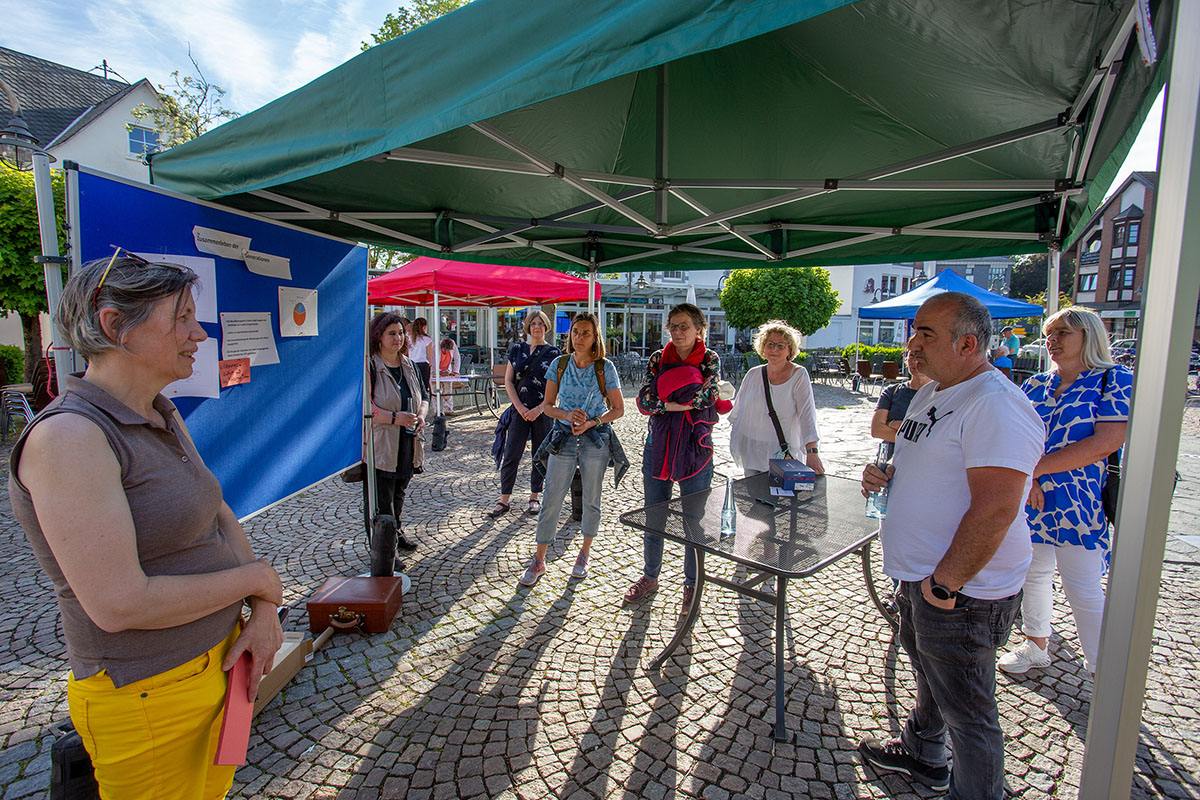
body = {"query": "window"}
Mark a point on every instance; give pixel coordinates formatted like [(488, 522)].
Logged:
[(905, 284), (887, 287), (1134, 230), (1087, 283), (1119, 236), (143, 141), (673, 275), (1128, 278), (1114, 278), (996, 275), (866, 333)]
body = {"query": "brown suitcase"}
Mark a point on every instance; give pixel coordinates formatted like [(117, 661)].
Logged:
[(364, 604)]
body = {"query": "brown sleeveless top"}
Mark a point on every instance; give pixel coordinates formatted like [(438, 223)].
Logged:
[(174, 501)]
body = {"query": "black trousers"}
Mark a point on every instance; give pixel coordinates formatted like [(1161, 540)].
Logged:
[(520, 432), (423, 372), (390, 486)]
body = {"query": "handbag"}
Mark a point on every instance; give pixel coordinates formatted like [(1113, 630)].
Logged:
[(783, 445), (1112, 486)]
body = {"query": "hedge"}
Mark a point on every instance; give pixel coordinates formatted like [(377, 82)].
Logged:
[(14, 360), (870, 352)]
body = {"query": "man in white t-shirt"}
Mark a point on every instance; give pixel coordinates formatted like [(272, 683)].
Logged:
[(957, 540)]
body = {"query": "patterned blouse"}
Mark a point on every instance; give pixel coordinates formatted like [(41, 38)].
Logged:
[(529, 370), (1073, 513)]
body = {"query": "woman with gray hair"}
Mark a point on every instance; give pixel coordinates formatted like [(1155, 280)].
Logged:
[(1084, 402), (149, 565), (753, 441)]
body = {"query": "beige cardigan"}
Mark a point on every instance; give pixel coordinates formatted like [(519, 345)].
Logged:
[(386, 397)]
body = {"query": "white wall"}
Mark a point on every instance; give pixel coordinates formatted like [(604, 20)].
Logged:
[(104, 143), (1135, 195)]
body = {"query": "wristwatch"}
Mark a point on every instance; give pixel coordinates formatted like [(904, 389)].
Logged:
[(812, 449), (939, 591), (594, 420)]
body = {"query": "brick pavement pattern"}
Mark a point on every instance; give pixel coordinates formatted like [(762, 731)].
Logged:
[(486, 689)]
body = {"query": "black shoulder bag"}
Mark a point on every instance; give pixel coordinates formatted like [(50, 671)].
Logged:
[(1112, 486), (783, 445)]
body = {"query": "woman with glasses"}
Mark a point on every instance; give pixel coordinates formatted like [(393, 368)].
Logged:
[(1084, 401), (149, 564), (679, 396), (399, 404), (753, 440)]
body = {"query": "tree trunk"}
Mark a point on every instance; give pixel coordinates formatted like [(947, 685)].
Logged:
[(31, 327)]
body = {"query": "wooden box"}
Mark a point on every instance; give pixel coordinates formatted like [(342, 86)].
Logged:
[(293, 654), (364, 604)]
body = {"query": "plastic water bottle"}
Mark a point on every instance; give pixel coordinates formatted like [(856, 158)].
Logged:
[(877, 501), (408, 408), (728, 512)]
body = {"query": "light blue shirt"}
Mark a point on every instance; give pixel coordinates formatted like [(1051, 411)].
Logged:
[(579, 388)]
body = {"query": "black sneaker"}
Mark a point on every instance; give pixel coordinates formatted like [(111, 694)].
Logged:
[(404, 544), (891, 755)]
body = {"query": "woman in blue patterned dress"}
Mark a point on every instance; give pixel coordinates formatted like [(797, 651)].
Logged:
[(1084, 402)]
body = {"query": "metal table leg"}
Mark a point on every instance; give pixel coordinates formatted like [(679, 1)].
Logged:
[(781, 734), (686, 627)]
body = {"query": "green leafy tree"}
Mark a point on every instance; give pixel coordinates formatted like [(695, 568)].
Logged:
[(22, 281), (408, 19), (802, 296), (184, 112), (386, 258), (1029, 276)]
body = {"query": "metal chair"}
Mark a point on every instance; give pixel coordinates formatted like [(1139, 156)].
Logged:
[(14, 406)]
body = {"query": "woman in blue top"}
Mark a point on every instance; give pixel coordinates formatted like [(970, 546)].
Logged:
[(1084, 402), (525, 383), (579, 438)]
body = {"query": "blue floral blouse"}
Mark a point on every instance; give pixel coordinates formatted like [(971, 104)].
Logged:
[(1073, 513)]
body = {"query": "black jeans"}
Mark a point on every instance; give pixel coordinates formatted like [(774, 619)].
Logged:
[(520, 432), (390, 486), (953, 654), (423, 373)]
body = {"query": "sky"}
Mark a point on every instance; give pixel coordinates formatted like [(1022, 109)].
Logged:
[(257, 50)]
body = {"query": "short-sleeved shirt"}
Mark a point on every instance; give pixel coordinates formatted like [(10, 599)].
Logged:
[(1012, 343), (895, 399), (579, 388), (1073, 512), (943, 435), (529, 370)]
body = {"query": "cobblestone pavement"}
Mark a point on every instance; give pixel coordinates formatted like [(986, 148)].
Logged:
[(486, 689)]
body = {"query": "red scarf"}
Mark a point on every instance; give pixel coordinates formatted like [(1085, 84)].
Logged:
[(695, 358)]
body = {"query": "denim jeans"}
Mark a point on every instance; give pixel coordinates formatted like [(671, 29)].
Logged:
[(560, 469), (659, 491), (953, 654)]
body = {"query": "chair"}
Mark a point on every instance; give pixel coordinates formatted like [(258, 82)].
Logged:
[(843, 371), (891, 372), (14, 405), (865, 375)]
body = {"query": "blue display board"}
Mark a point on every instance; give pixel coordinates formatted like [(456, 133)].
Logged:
[(296, 422)]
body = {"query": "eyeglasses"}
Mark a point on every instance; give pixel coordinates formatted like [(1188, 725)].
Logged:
[(116, 252), (679, 327), (775, 345)]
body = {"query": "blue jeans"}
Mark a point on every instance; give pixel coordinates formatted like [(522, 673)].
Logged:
[(953, 654), (659, 491), (560, 469)]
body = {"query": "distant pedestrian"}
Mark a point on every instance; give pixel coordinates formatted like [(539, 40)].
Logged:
[(1084, 401), (678, 447), (448, 366), (583, 411), (955, 538), (420, 350), (1008, 338), (523, 422)]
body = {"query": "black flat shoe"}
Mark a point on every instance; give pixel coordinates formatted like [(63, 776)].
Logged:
[(405, 545), (499, 511)]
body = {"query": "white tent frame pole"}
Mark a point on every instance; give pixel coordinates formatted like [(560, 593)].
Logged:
[(51, 269), (368, 437), (349, 219), (435, 367), (592, 291), (1172, 281)]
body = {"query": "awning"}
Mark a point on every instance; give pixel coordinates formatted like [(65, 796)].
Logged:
[(905, 306), (651, 134), (461, 284)]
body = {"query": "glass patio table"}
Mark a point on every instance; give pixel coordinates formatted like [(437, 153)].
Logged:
[(784, 538)]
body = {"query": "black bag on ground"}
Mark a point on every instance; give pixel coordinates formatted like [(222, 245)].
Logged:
[(577, 496), (383, 546), (440, 432), (71, 774)]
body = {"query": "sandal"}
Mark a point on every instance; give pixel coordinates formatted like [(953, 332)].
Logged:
[(499, 510), (534, 507)]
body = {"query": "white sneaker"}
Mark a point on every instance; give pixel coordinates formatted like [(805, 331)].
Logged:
[(580, 570), (1025, 658)]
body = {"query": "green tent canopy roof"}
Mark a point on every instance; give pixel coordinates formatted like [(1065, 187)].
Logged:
[(650, 134)]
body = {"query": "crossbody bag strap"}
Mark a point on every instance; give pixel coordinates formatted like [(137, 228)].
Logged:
[(1114, 458), (783, 445), (598, 366)]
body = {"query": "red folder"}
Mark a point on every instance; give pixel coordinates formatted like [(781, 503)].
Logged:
[(235, 722)]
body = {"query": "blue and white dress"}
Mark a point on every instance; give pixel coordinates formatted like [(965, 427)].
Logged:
[(1073, 513)]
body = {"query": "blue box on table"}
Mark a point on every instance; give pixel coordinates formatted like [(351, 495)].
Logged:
[(792, 475)]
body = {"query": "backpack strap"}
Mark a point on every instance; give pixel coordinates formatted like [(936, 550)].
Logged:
[(598, 365)]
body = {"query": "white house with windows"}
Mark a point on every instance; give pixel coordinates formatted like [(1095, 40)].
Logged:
[(861, 285)]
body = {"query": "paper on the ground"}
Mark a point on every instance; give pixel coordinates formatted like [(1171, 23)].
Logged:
[(205, 291), (234, 371), (297, 311), (248, 334), (220, 243), (203, 381), (269, 265)]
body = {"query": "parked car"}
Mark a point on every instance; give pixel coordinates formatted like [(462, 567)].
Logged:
[(1035, 349), (1124, 347)]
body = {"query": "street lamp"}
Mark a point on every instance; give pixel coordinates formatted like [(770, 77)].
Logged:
[(17, 143), (918, 277)]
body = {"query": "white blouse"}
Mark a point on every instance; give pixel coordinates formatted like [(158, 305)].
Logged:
[(752, 440), (417, 352)]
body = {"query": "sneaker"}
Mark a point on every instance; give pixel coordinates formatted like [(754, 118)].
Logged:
[(533, 572), (641, 589), (1025, 658), (688, 593), (580, 570), (892, 756)]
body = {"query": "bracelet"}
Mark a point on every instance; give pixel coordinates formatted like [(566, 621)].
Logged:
[(812, 450)]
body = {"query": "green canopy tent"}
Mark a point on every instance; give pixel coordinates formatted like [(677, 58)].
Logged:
[(656, 134)]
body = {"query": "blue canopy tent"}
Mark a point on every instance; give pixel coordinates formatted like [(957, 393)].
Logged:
[(905, 306)]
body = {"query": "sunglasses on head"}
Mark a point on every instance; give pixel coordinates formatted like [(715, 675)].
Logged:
[(116, 253)]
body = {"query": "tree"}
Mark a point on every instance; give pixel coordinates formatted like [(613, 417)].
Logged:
[(804, 297), (186, 111), (1029, 276), (409, 19), (22, 281), (386, 258)]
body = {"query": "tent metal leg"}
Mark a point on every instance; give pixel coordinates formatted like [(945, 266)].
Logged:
[(1172, 284)]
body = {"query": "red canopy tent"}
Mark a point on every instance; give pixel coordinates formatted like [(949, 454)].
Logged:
[(428, 281)]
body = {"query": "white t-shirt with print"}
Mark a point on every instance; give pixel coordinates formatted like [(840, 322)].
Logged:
[(983, 422)]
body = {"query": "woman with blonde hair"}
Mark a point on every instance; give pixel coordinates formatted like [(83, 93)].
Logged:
[(754, 440), (1084, 401)]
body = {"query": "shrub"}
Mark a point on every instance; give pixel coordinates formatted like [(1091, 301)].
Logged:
[(14, 360), (871, 352)]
